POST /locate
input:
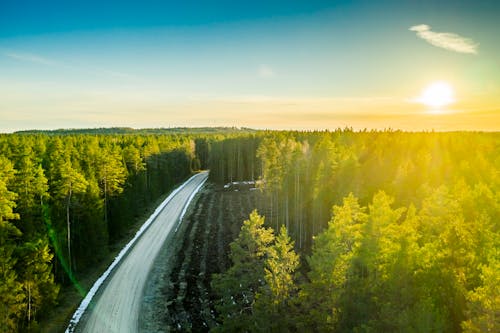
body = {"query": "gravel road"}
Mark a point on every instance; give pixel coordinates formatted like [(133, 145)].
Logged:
[(116, 306)]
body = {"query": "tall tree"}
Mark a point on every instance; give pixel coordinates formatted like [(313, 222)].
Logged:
[(111, 174), (274, 304), (69, 182), (484, 302), (32, 189), (37, 279), (11, 295), (7, 197), (329, 264), (238, 286)]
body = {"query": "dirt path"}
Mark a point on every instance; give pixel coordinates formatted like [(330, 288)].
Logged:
[(178, 295)]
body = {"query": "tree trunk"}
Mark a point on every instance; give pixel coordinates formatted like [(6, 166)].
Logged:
[(105, 200), (29, 304), (69, 230), (286, 213), (277, 209)]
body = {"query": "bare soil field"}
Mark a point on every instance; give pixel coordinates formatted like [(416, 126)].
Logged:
[(178, 296)]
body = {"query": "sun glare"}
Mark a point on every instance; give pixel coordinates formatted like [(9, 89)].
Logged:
[(437, 95)]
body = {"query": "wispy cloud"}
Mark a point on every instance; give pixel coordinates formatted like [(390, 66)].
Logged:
[(41, 60), (119, 75), (292, 100), (266, 72), (28, 57), (446, 40)]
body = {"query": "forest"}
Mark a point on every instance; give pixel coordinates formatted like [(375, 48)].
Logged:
[(364, 232), (378, 231), (65, 199)]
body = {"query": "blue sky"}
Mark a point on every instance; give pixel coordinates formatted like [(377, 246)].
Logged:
[(266, 64)]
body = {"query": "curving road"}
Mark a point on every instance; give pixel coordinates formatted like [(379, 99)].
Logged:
[(116, 307)]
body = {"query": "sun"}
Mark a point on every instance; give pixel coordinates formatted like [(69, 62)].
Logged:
[(437, 95)]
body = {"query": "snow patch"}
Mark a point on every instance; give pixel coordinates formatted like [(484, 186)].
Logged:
[(242, 185), (184, 210)]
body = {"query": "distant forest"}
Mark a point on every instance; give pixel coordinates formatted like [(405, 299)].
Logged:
[(129, 130), (364, 231)]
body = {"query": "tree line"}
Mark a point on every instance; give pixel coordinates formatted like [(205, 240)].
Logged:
[(392, 230), (395, 232), (303, 174), (64, 199)]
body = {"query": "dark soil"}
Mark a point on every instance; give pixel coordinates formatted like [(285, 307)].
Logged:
[(178, 296)]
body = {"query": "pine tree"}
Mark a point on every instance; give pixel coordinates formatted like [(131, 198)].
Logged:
[(37, 280), (274, 304), (329, 263), (11, 293), (7, 197), (484, 302), (69, 182), (111, 173), (32, 189), (11, 296), (238, 286)]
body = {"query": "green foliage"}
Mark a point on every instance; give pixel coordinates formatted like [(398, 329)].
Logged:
[(258, 292), (11, 293), (409, 246), (412, 242), (233, 157), (332, 252), (281, 263), (305, 173), (7, 197), (275, 302), (484, 301), (79, 192), (11, 296), (238, 286), (40, 291)]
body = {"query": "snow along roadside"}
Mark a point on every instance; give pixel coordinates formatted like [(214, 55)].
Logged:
[(86, 301), (184, 210)]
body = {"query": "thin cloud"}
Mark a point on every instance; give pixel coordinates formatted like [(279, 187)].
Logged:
[(28, 57), (120, 75), (37, 59), (446, 40), (291, 100), (265, 72)]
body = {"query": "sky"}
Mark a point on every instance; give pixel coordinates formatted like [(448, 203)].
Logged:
[(260, 64)]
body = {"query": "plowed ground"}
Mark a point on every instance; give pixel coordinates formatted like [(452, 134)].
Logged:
[(179, 297)]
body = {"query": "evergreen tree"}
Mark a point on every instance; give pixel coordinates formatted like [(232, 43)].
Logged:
[(111, 174), (40, 291), (484, 302), (11, 295), (274, 306), (7, 197), (238, 286), (332, 253), (69, 183)]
